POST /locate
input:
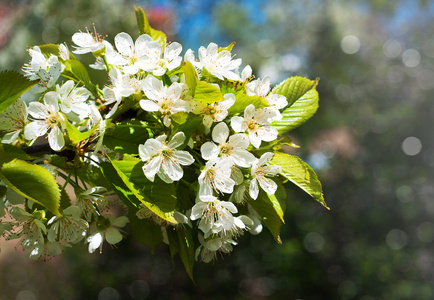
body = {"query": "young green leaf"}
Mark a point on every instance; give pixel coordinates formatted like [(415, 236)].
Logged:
[(190, 78), (181, 241), (160, 37), (33, 182), (207, 93), (242, 101), (125, 137), (75, 135), (12, 86), (76, 71), (142, 21), (228, 48), (157, 196), (119, 187), (188, 127), (302, 102), (266, 209), (49, 49), (301, 174)]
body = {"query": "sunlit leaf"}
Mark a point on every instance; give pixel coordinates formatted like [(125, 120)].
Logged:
[(301, 174), (302, 102), (265, 208), (33, 182), (12, 86)]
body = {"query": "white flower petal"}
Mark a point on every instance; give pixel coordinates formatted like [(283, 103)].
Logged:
[(220, 133), (95, 242), (209, 150), (254, 189), (183, 157), (124, 43), (237, 124), (55, 139), (38, 110), (149, 105), (35, 129), (177, 140), (268, 185), (172, 169), (267, 133), (153, 167)]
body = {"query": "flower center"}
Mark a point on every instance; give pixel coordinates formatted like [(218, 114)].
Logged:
[(52, 121), (252, 125), (225, 149), (211, 110)]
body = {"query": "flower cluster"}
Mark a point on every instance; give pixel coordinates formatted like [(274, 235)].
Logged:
[(202, 125)]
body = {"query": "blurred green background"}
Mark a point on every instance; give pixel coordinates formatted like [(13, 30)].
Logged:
[(371, 143)]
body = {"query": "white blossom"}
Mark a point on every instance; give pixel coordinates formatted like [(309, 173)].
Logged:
[(166, 100), (170, 60), (234, 148), (219, 64), (216, 111), (86, 42), (254, 122), (72, 98), (30, 230), (162, 158), (47, 71), (48, 118), (216, 176), (91, 202), (215, 215), (208, 249), (133, 54), (259, 170), (106, 228), (63, 51), (261, 88)]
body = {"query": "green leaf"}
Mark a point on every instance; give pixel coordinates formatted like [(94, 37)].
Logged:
[(242, 101), (160, 37), (125, 137), (276, 205), (293, 88), (76, 71), (157, 196), (9, 152), (49, 49), (191, 125), (119, 187), (142, 21), (190, 78), (267, 211), (301, 174), (302, 102), (181, 241), (12, 86), (145, 28), (180, 118), (75, 135), (144, 230), (65, 201), (228, 48), (33, 182), (207, 93)]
